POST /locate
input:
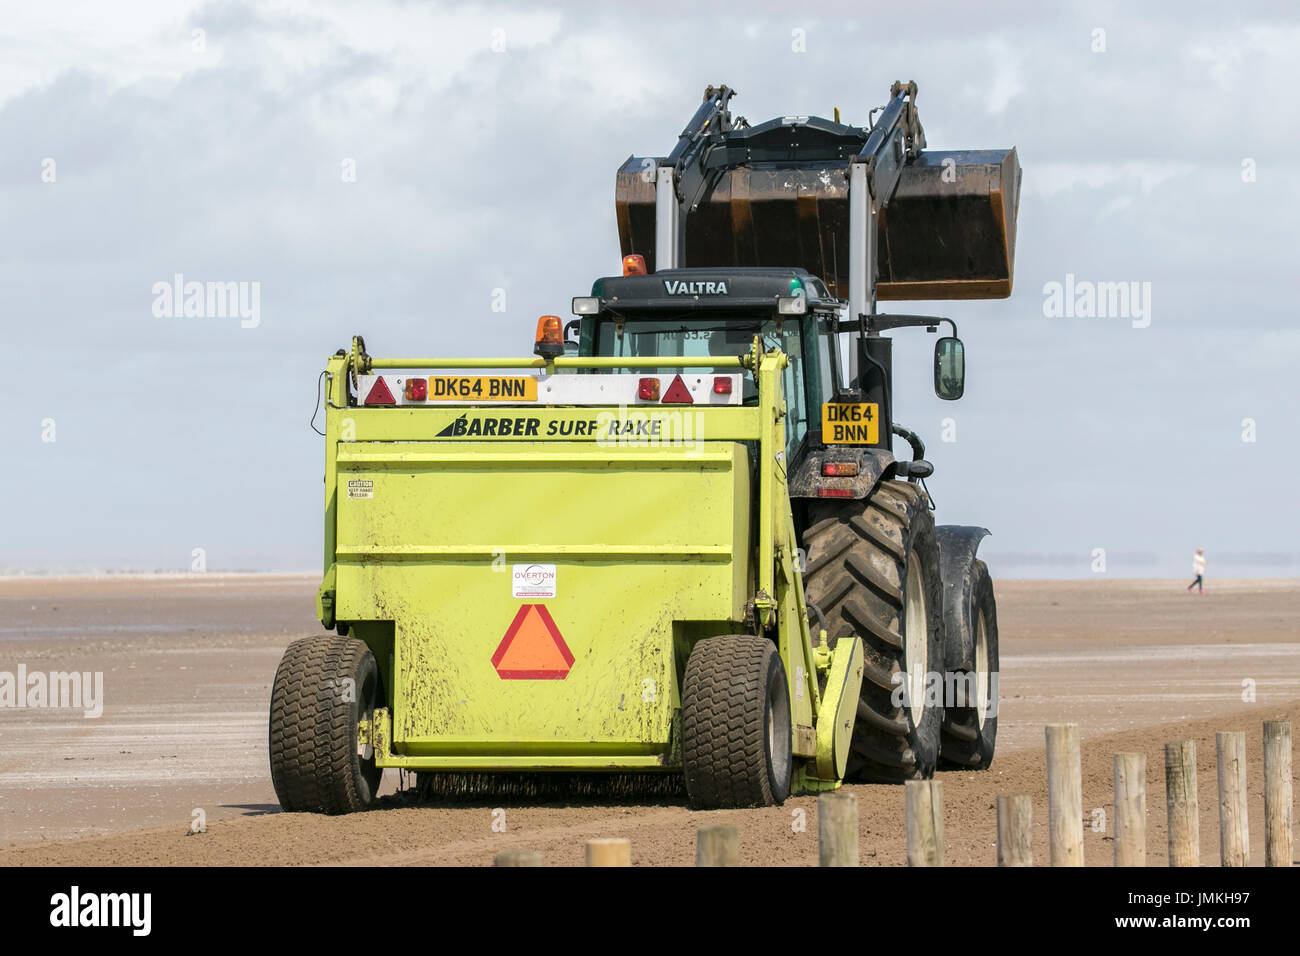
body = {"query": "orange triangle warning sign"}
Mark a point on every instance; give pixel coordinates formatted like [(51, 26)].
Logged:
[(678, 393), (532, 648)]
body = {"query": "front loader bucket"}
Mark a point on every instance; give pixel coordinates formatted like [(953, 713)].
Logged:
[(948, 232)]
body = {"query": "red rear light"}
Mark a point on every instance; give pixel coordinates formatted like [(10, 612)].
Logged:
[(648, 390), (834, 492), (840, 469), (417, 389), (722, 385), (379, 393)]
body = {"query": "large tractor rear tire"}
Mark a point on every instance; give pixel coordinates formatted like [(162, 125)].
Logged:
[(323, 688), (970, 732), (872, 568), (736, 735)]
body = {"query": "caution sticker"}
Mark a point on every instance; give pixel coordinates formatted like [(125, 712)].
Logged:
[(850, 423), (532, 581), (361, 488)]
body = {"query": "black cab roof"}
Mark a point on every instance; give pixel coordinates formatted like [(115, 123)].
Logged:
[(710, 288)]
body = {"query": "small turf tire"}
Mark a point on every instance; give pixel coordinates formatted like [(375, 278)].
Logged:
[(969, 733), (872, 568), (736, 735), (315, 763)]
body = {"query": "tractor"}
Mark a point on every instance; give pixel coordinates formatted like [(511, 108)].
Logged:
[(674, 547)]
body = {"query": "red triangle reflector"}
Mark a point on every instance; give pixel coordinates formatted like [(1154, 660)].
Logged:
[(379, 393), (677, 393)]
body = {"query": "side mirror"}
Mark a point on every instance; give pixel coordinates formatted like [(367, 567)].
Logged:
[(949, 369)]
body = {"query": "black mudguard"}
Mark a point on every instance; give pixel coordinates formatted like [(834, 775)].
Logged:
[(957, 546), (873, 464)]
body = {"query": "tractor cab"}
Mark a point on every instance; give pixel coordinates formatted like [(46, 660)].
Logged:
[(697, 313)]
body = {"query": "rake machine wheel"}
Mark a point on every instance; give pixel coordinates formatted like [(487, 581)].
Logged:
[(323, 687), (736, 734)]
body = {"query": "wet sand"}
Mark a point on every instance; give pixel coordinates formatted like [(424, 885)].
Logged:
[(188, 662)]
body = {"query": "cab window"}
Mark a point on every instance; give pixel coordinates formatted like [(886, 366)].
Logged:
[(663, 338)]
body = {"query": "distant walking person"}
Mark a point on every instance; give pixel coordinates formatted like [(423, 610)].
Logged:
[(1198, 569)]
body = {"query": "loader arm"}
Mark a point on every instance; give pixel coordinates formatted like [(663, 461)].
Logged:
[(870, 209)]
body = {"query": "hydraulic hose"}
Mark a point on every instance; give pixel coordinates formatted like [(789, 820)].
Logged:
[(912, 438)]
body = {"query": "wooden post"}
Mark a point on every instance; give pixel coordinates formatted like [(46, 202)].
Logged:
[(612, 852), (517, 858), (1064, 794), (1181, 804), (837, 829), (717, 846), (924, 814), (1278, 796), (1015, 828), (1234, 829), (1130, 809)]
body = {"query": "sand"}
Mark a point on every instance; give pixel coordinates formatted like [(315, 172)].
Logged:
[(188, 662)]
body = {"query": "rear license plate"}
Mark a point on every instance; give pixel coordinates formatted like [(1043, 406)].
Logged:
[(482, 388), (850, 423)]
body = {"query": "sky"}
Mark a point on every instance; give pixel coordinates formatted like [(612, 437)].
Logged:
[(394, 169)]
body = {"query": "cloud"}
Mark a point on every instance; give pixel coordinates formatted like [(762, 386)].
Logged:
[(484, 141), (1049, 179)]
